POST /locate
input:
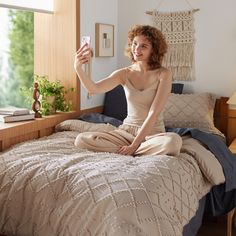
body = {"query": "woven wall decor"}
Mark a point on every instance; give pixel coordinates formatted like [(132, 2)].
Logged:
[(178, 28)]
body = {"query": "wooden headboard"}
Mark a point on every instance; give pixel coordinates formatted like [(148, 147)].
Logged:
[(225, 119), (221, 115)]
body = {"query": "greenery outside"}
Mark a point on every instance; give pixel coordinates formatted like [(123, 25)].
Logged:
[(20, 59), (17, 84)]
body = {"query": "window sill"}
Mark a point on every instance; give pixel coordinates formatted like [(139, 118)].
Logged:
[(16, 132)]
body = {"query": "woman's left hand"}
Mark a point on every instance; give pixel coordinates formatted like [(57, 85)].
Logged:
[(127, 150)]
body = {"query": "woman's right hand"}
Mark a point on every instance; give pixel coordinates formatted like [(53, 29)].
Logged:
[(82, 56)]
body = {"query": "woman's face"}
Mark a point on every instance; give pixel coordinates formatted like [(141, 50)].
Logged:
[(141, 48)]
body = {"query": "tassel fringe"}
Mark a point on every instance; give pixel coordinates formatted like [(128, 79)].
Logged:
[(178, 30)]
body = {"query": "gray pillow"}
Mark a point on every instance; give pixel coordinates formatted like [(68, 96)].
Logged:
[(177, 88), (100, 118), (191, 111), (115, 104)]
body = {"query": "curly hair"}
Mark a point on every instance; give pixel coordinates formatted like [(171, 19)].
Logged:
[(157, 40)]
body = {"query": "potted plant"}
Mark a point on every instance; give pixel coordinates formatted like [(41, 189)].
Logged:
[(52, 95)]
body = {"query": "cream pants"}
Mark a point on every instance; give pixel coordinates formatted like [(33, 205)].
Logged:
[(110, 141)]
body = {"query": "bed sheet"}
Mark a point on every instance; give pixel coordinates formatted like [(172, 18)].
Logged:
[(50, 187)]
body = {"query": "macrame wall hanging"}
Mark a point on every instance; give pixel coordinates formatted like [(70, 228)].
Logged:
[(178, 28)]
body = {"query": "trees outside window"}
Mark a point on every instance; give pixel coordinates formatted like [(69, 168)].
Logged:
[(16, 56)]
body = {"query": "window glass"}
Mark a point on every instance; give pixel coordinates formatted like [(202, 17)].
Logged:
[(16, 57)]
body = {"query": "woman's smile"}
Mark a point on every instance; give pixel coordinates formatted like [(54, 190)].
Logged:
[(141, 48)]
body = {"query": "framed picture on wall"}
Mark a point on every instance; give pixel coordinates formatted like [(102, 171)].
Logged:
[(104, 40)]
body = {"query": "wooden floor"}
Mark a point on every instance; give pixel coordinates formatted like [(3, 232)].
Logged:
[(216, 227)]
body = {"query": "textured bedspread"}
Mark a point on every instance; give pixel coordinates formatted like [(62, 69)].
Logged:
[(49, 187)]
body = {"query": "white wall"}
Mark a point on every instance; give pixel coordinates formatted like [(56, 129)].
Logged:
[(215, 33), (102, 11)]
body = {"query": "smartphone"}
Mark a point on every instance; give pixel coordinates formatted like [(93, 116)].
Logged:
[(85, 39)]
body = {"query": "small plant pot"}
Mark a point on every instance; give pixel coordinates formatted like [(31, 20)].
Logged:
[(50, 105)]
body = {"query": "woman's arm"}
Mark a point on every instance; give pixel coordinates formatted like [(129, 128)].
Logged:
[(82, 56), (157, 106)]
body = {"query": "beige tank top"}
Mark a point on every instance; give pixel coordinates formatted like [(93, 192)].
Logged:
[(138, 105)]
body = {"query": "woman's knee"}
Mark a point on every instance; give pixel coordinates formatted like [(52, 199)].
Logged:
[(174, 144), (81, 140)]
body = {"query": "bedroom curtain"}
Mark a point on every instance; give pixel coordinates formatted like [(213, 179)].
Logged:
[(178, 28)]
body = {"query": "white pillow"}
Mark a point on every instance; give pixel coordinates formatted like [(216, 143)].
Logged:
[(83, 126), (191, 111)]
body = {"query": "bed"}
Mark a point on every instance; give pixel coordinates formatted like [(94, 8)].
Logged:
[(50, 187)]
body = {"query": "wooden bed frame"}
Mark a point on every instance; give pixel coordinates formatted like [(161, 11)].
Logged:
[(225, 119), (221, 115)]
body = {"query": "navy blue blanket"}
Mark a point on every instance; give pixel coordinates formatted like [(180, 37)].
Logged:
[(222, 197)]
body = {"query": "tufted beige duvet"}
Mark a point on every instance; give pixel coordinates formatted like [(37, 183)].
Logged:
[(49, 187)]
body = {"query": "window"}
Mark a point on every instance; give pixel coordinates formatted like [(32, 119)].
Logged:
[(16, 49), (16, 56)]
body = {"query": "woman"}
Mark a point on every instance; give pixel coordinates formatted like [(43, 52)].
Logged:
[(147, 86)]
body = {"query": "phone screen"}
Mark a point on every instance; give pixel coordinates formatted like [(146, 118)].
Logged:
[(85, 39)]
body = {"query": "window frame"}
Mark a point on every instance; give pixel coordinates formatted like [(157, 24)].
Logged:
[(45, 6)]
